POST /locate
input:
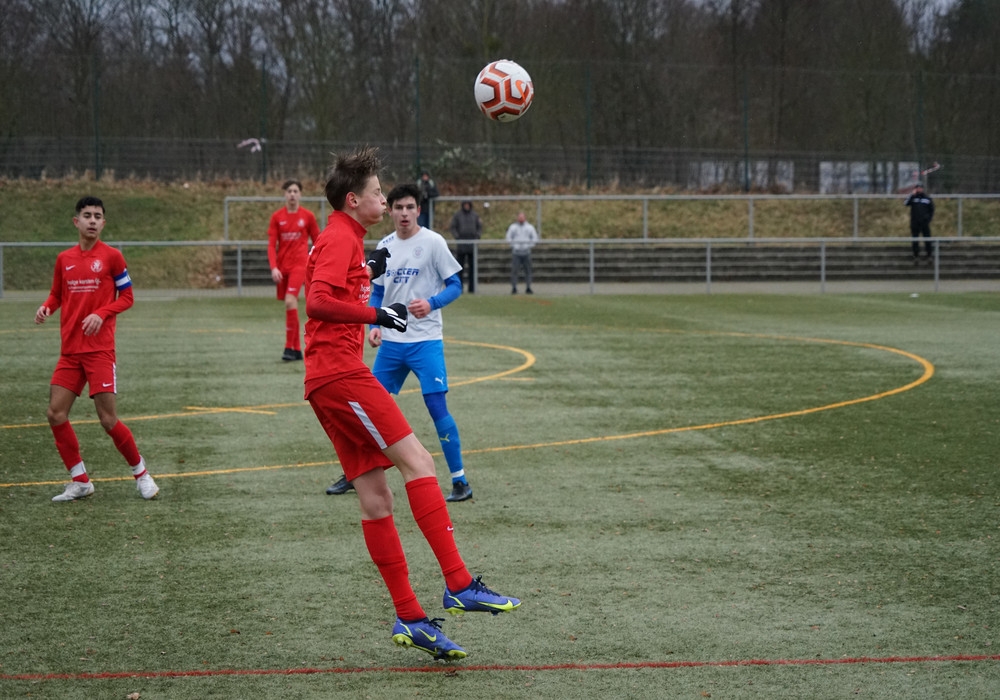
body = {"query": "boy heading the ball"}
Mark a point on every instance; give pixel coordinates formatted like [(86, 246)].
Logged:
[(423, 275), (92, 286), (367, 429)]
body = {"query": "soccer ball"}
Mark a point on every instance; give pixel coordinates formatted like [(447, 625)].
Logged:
[(504, 91)]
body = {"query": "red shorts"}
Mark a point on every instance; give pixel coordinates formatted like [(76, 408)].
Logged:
[(361, 420), (95, 368), (291, 282)]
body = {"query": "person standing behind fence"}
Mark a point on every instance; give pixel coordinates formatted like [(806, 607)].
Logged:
[(921, 212), (288, 236), (428, 193), (467, 226), (522, 237)]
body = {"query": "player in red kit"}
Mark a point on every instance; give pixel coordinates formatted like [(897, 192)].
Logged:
[(367, 429), (92, 286), (288, 236)]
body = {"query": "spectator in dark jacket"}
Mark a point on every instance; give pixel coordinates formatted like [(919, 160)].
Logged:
[(467, 226), (428, 193), (921, 212)]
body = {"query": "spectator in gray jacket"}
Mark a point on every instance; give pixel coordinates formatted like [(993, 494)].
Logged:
[(467, 226), (522, 237)]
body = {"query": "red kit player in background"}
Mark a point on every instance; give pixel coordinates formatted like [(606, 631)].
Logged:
[(288, 236), (92, 286), (367, 429)]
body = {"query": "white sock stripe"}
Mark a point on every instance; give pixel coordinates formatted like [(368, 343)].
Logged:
[(367, 422), (456, 475), (78, 470)]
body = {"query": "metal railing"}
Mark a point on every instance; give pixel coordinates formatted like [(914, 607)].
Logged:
[(643, 201), (601, 255)]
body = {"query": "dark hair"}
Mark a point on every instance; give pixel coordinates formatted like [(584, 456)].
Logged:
[(89, 201), (402, 192), (351, 173), (289, 183)]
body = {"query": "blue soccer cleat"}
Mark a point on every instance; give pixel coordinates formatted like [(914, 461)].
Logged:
[(426, 635), (478, 598)]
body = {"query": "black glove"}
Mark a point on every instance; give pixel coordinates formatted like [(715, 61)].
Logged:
[(376, 261), (393, 316)]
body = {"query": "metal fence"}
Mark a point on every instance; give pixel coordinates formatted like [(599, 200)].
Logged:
[(679, 169), (641, 202), (239, 268)]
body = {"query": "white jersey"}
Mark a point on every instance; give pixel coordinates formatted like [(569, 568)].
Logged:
[(416, 269)]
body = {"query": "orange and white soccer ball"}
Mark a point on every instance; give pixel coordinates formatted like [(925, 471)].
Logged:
[(504, 91)]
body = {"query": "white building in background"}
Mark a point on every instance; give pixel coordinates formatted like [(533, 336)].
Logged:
[(765, 175), (867, 177)]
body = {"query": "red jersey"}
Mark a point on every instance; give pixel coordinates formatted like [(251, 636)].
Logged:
[(336, 349), (87, 282), (288, 237)]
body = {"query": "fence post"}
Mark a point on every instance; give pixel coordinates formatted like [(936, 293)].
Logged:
[(591, 266), (959, 217), (855, 217), (645, 218), (239, 269), (822, 266), (225, 219), (937, 263), (750, 217), (538, 214), (708, 267)]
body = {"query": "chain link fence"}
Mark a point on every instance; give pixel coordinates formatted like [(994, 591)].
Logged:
[(687, 170)]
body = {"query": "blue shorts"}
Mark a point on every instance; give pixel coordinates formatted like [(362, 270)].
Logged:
[(425, 359)]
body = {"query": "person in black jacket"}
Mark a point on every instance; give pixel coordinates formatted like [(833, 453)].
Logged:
[(921, 212), (467, 226), (428, 193)]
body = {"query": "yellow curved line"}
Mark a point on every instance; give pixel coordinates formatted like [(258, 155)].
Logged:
[(529, 361), (267, 409), (207, 472), (928, 373)]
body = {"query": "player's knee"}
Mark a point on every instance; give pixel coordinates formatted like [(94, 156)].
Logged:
[(56, 415)]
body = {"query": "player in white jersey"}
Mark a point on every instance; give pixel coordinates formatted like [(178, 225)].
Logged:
[(421, 273)]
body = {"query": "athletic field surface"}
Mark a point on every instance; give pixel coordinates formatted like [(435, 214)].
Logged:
[(695, 495)]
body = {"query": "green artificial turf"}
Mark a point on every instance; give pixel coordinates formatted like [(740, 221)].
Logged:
[(696, 496)]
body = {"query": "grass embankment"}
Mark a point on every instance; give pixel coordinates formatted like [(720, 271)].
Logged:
[(139, 210)]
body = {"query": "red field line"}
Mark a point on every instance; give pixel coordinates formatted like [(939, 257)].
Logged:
[(449, 668)]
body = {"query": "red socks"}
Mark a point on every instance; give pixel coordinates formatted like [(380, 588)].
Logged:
[(292, 329), (69, 448), (125, 443), (431, 513), (386, 551)]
